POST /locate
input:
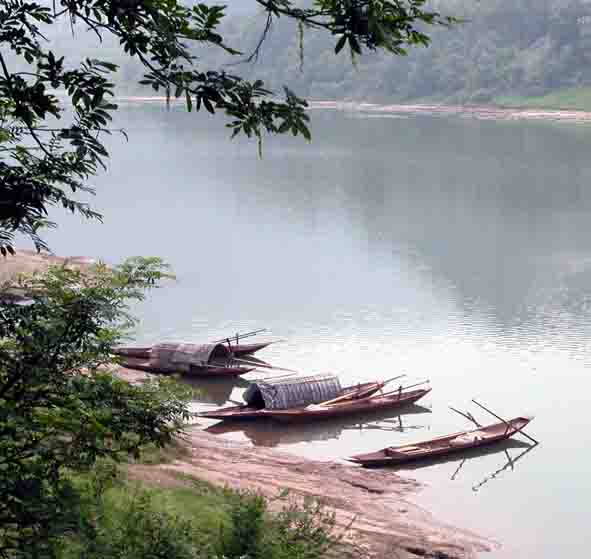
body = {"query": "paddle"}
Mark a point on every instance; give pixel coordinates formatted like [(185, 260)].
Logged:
[(240, 336), (360, 392), (467, 415), (506, 423), (262, 366)]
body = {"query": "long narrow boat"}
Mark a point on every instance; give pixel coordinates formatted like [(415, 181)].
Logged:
[(247, 349), (346, 406), (221, 369), (441, 446), (190, 359)]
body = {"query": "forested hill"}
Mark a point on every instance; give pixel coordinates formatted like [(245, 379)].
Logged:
[(505, 47)]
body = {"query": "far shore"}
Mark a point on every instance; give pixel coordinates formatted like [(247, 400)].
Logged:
[(480, 112)]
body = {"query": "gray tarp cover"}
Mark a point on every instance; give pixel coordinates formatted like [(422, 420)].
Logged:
[(293, 392)]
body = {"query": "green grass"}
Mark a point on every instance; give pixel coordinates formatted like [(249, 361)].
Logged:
[(120, 519), (573, 98), (199, 502)]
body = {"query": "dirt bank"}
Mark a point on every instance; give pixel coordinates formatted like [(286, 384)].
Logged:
[(26, 261), (376, 504), (482, 112)]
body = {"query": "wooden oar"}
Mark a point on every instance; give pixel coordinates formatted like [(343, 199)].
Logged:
[(263, 366), (506, 422), (361, 392), (341, 399), (467, 415), (240, 336)]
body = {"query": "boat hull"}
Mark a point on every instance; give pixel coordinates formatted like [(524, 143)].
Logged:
[(442, 446), (247, 349), (195, 371), (312, 413)]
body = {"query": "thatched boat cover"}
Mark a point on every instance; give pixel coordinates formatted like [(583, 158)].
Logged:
[(181, 357), (292, 392)]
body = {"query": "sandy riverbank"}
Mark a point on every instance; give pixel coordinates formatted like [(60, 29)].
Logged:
[(377, 508), (481, 112)]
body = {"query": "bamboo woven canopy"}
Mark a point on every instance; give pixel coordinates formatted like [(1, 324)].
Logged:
[(181, 357), (292, 392)]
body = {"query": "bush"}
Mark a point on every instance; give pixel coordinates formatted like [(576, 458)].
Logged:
[(132, 528), (296, 532), (118, 520)]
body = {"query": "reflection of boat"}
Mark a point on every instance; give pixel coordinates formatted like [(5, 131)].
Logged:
[(444, 445), (469, 454), (510, 463), (189, 359), (268, 432), (214, 390), (311, 398)]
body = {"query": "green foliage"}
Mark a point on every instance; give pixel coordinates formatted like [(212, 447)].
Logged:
[(119, 520), (524, 47), (298, 531), (58, 411), (130, 528), (244, 535), (50, 146)]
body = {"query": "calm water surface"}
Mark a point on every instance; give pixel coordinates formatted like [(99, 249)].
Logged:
[(454, 250)]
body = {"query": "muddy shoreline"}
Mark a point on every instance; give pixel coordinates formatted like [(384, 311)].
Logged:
[(375, 509), (480, 112)]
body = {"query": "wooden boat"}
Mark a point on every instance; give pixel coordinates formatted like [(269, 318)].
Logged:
[(441, 446), (247, 349), (226, 369), (348, 405), (238, 348), (190, 359)]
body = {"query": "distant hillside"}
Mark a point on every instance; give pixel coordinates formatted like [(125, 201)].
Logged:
[(507, 51), (506, 47)]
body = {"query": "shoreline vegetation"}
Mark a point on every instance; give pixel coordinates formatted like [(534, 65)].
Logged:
[(200, 479), (508, 109)]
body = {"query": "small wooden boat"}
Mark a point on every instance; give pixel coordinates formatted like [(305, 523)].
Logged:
[(441, 446), (349, 404), (247, 349), (238, 348), (190, 359)]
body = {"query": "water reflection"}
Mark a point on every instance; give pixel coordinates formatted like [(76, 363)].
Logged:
[(216, 391), (273, 433), (511, 461), (465, 458)]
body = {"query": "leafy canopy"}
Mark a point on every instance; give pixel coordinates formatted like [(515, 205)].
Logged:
[(58, 411), (53, 114)]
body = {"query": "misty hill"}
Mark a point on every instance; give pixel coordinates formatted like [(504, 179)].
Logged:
[(504, 48)]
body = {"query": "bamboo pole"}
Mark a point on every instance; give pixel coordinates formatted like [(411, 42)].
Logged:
[(240, 336), (468, 416), (506, 422), (361, 392), (262, 366)]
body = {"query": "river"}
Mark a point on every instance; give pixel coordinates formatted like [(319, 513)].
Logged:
[(451, 249)]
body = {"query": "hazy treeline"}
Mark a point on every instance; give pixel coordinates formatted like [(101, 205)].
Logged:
[(505, 47)]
